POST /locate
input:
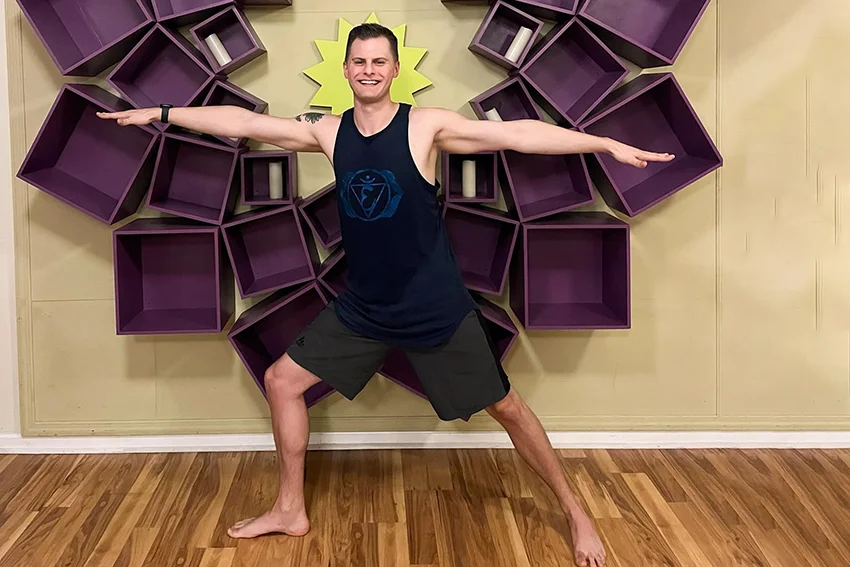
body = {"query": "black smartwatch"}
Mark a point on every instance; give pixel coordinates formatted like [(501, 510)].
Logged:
[(163, 117)]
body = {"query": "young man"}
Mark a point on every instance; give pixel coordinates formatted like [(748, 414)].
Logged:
[(404, 287)]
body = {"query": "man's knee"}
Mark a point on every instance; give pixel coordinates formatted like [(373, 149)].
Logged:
[(508, 408), (288, 379)]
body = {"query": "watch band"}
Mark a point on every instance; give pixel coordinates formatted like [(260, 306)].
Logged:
[(164, 108)]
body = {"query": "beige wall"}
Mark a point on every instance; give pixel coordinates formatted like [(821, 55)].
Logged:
[(740, 301), (8, 345)]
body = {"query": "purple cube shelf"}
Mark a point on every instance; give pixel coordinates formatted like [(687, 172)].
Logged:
[(548, 9), (226, 93), (177, 13), (263, 332), (572, 272), (86, 37), (498, 30), (571, 72), (500, 326), (333, 272), (164, 67), (171, 276), (235, 33), (650, 112), (538, 185), (268, 250), (486, 177), (483, 242), (649, 33), (255, 177), (94, 165), (322, 216), (195, 178)]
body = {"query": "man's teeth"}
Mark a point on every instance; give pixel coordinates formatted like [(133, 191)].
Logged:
[(369, 82)]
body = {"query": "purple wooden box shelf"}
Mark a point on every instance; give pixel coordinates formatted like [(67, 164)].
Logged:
[(91, 164), (333, 272), (548, 9), (572, 272), (648, 33), (86, 37), (322, 215), (483, 242), (236, 35), (263, 332), (571, 72), (498, 30), (256, 177), (195, 178), (164, 67), (538, 185), (486, 177), (653, 113), (171, 276), (269, 250), (226, 93), (177, 13)]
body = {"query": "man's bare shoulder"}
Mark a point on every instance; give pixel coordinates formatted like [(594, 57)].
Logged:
[(433, 114)]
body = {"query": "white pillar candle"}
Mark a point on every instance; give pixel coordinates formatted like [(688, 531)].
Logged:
[(217, 48), (493, 115), (468, 178), (518, 44), (275, 180)]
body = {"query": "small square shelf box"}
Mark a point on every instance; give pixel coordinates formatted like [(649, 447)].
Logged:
[(572, 271), (171, 276), (500, 327), (91, 164), (234, 41), (483, 242), (650, 112), (163, 68), (557, 10), (223, 93), (538, 185), (195, 178), (572, 72), (485, 180), (648, 33), (264, 331), (333, 272), (86, 37), (322, 216), (259, 170), (506, 35), (269, 250), (179, 13)]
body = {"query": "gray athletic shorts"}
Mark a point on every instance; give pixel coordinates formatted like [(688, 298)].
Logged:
[(460, 377)]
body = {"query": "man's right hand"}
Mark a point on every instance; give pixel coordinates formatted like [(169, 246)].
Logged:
[(135, 117)]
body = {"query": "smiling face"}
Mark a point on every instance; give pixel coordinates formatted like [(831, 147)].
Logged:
[(370, 69)]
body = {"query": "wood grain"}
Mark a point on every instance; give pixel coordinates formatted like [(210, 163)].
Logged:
[(428, 508)]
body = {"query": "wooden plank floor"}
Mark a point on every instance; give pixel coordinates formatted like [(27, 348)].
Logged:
[(464, 508)]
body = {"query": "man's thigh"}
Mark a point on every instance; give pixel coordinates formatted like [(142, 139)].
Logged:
[(464, 375)]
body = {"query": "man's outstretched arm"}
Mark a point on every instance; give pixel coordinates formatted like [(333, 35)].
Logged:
[(457, 134), (301, 134)]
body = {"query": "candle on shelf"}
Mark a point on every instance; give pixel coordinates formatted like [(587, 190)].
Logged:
[(275, 180), (468, 178), (493, 115), (217, 48), (518, 44)]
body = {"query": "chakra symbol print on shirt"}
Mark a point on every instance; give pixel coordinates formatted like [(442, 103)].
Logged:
[(370, 194)]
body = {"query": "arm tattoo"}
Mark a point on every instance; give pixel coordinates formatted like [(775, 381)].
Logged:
[(311, 117)]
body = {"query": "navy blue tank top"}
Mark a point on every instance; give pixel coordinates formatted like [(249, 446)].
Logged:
[(404, 286)]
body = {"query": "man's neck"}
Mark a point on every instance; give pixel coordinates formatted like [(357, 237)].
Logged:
[(374, 116)]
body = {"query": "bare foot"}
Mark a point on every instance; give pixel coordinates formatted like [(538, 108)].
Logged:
[(589, 551), (273, 521)]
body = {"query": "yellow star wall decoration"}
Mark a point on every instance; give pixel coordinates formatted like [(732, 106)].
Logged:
[(334, 91)]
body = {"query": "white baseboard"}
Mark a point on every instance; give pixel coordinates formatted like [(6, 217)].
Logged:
[(13, 443)]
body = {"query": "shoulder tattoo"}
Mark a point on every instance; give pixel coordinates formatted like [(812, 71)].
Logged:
[(311, 117)]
